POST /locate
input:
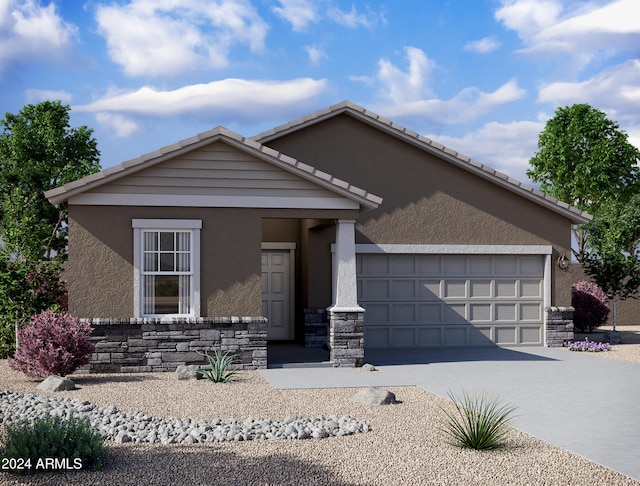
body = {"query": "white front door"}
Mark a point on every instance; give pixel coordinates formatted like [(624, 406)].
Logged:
[(277, 295)]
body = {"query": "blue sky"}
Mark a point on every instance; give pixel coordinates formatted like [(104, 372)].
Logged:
[(479, 76)]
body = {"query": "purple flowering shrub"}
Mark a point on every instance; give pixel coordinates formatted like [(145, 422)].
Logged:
[(588, 346), (52, 344), (591, 306)]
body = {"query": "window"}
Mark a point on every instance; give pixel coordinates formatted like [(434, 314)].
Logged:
[(166, 267)]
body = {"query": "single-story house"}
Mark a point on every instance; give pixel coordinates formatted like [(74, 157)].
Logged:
[(341, 229)]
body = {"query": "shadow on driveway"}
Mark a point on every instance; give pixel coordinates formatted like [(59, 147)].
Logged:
[(387, 357)]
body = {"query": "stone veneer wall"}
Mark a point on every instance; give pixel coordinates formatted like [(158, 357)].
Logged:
[(154, 344), (559, 325), (316, 328)]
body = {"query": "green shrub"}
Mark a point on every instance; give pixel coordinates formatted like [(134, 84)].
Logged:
[(220, 363), (53, 438), (478, 422)]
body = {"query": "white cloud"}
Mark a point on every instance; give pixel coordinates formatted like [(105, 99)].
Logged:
[(483, 46), (354, 19), (300, 13), (587, 29), (235, 99), (401, 87), (505, 147), (408, 94), (171, 37), (615, 90), (30, 31), (37, 95), (121, 126), (316, 54)]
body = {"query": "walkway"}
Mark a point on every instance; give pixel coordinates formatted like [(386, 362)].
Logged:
[(583, 403)]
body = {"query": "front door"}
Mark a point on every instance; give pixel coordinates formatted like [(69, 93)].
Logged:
[(277, 293)]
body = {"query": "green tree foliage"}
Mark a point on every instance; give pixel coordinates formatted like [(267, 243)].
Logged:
[(612, 258), (39, 151), (585, 160)]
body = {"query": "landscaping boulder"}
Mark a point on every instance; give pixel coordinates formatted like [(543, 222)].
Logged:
[(55, 383), (187, 372), (374, 396)]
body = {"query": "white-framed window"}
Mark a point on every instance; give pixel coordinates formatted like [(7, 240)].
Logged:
[(166, 267)]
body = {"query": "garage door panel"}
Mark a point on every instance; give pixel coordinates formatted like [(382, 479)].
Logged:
[(505, 312), (506, 289), (451, 300), (403, 337), (531, 288), (455, 265), (455, 313), (505, 335), (428, 265), (403, 313), (429, 289), (455, 289), (480, 288), (480, 312), (530, 335), (480, 265), (530, 312), (506, 265), (429, 336), (403, 289), (480, 335), (530, 265), (402, 265), (455, 336), (430, 313)]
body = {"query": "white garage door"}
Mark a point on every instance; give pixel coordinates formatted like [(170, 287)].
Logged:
[(415, 300)]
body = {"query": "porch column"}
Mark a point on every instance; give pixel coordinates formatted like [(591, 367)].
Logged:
[(346, 317)]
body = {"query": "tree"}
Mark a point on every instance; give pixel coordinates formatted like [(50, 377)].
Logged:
[(39, 151), (585, 160), (612, 258)]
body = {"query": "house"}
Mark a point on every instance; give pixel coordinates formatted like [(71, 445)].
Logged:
[(341, 229)]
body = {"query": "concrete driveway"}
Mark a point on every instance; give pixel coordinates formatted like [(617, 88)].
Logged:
[(583, 403)]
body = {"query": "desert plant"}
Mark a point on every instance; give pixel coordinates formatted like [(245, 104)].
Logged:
[(588, 346), (590, 304), (70, 440), (221, 371), (477, 422), (52, 344)]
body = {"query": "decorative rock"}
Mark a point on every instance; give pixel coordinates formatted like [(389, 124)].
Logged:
[(187, 372), (374, 396), (138, 427), (55, 383), (368, 367)]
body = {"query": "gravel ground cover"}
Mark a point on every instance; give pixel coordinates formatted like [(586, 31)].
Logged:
[(403, 447)]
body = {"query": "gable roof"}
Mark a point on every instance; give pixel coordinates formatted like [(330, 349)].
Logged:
[(428, 145), (251, 147)]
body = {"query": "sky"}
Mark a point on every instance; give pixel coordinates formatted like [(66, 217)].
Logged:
[(481, 77)]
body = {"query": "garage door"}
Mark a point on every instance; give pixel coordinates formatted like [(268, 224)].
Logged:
[(415, 300)]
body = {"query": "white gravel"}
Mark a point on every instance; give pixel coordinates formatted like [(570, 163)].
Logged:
[(404, 446)]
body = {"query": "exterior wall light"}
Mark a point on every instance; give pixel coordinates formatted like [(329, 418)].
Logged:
[(563, 262)]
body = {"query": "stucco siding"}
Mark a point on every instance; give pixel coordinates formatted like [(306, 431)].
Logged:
[(425, 200), (100, 270)]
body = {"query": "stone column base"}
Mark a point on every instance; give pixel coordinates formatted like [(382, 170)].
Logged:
[(346, 338), (559, 325)]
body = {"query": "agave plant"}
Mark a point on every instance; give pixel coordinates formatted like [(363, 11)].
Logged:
[(477, 422), (220, 363)]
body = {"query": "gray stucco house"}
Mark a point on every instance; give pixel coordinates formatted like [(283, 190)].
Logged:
[(340, 229)]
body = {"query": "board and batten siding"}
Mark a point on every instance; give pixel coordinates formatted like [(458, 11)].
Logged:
[(217, 170)]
